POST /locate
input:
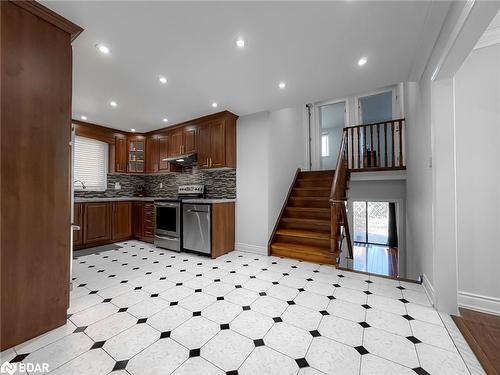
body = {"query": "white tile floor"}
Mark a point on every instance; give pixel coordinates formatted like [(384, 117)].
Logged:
[(140, 310)]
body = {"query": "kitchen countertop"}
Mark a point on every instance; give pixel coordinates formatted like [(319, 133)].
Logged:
[(150, 199)]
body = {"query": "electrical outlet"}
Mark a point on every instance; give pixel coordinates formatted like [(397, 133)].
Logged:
[(161, 185), (117, 186)]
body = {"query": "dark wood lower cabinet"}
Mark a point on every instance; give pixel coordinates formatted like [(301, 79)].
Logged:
[(121, 220), (106, 222), (97, 223)]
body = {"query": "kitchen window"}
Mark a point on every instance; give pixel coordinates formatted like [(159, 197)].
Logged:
[(90, 164)]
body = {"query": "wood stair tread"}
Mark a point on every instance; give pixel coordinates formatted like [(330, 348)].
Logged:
[(308, 209), (305, 221), (304, 233), (308, 249), (311, 198), (312, 188)]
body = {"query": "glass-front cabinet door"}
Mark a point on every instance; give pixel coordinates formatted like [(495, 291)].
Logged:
[(136, 155)]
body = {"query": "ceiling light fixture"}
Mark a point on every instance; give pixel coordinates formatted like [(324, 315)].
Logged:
[(165, 119), (214, 105), (163, 80), (132, 130), (102, 48), (113, 103), (240, 43), (83, 117), (362, 61), (282, 85)]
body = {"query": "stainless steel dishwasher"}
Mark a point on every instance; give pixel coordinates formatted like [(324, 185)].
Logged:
[(196, 232)]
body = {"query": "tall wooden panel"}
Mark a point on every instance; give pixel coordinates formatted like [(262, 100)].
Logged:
[(152, 154), (35, 169), (121, 154), (204, 146), (121, 220), (217, 144), (189, 139), (97, 222)]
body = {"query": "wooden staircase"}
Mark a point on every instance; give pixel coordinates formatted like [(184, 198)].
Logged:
[(313, 222), (303, 229)]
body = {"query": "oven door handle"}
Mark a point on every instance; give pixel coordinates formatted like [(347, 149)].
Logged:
[(167, 204), (166, 237)]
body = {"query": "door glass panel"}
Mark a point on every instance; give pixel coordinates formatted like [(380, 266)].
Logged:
[(376, 108), (332, 122), (378, 222), (359, 209)]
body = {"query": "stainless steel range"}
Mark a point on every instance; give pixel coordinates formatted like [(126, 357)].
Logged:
[(168, 229)]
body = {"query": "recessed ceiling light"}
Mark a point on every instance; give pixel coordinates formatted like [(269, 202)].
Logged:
[(214, 105), (102, 48), (165, 119), (163, 80), (362, 61), (132, 130), (113, 103), (282, 85), (83, 117), (240, 43)]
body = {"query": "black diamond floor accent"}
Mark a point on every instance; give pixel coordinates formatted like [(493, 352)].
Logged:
[(364, 324), (217, 280), (401, 288), (163, 278), (194, 353), (19, 358), (290, 302), (404, 300), (413, 339), (93, 292), (275, 283), (106, 300), (315, 333), (324, 312), (361, 350), (366, 306), (220, 298), (138, 288), (224, 326), (336, 285), (80, 329), (197, 313), (154, 295), (331, 297), (142, 320), (367, 292), (302, 290), (237, 286), (369, 281), (408, 317), (98, 344), (252, 277), (258, 342), (262, 294), (124, 282), (285, 274), (246, 308), (165, 335), (309, 279), (232, 372), (277, 319), (340, 275), (178, 284), (123, 309), (197, 290), (120, 365), (81, 285), (175, 303), (420, 371), (301, 362)]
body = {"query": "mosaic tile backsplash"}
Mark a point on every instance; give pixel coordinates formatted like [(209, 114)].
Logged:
[(219, 183)]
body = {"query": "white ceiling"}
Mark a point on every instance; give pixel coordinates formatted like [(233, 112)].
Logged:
[(314, 47)]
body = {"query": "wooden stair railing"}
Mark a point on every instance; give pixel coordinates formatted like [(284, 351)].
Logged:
[(338, 198)]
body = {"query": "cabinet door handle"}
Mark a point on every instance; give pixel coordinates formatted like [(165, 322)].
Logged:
[(210, 162)]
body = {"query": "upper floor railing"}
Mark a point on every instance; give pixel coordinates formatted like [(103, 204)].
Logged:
[(377, 146)]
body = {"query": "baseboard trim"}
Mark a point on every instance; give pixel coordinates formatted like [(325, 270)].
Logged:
[(248, 248), (429, 289), (477, 302)]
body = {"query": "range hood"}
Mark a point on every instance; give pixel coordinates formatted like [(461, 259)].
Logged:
[(184, 160)]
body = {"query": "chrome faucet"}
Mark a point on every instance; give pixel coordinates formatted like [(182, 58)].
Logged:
[(80, 181)]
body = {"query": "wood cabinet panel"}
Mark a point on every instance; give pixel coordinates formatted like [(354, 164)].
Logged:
[(121, 154), (97, 222), (121, 220), (138, 219), (149, 220), (223, 228), (176, 142), (78, 220), (217, 144), (204, 146), (36, 64), (163, 142), (189, 144), (152, 154)]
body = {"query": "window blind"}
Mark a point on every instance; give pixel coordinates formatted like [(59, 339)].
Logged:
[(90, 163)]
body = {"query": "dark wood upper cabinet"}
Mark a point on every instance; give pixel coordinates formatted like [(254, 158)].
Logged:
[(189, 144), (217, 144), (121, 220), (204, 146), (152, 154), (121, 154), (136, 154), (97, 222), (176, 142)]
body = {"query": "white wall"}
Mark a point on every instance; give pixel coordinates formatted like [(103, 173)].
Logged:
[(477, 129), (271, 146)]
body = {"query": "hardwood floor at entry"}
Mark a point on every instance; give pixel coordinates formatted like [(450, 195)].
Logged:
[(482, 333), (377, 259)]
